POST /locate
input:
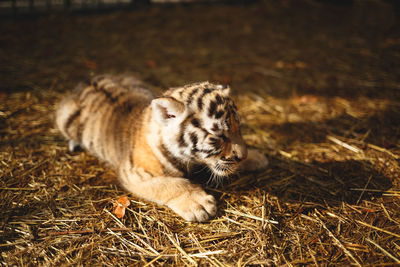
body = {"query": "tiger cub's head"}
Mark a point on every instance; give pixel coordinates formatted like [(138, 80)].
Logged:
[(199, 122)]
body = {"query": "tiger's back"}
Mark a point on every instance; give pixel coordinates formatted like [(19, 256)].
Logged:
[(99, 115)]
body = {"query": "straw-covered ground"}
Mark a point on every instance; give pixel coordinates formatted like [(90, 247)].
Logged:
[(318, 88)]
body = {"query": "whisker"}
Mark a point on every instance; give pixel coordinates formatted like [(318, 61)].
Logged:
[(202, 169)]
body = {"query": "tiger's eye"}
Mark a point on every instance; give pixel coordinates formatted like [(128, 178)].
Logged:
[(227, 122)]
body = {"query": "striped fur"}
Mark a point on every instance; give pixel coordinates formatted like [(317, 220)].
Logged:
[(154, 142)]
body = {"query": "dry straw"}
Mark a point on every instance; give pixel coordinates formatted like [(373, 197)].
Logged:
[(329, 197)]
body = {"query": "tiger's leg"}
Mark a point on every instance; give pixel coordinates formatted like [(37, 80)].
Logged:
[(188, 200), (255, 161)]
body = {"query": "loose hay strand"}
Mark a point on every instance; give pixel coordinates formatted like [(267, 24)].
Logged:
[(191, 260), (379, 229), (384, 251), (338, 243), (343, 144)]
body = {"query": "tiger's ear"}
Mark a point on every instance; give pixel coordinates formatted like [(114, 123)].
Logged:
[(166, 109), (224, 88)]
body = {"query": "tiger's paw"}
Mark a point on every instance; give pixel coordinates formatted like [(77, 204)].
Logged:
[(255, 161), (194, 206)]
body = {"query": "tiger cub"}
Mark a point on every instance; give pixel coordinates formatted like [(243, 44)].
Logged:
[(153, 143)]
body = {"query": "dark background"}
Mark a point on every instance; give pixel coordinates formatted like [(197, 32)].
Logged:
[(346, 48)]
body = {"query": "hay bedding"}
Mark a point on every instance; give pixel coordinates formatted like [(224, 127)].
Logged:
[(334, 201), (329, 197)]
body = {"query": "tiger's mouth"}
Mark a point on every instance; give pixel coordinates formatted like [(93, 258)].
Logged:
[(224, 168)]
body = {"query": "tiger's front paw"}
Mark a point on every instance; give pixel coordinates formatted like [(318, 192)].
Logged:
[(194, 206), (255, 161)]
